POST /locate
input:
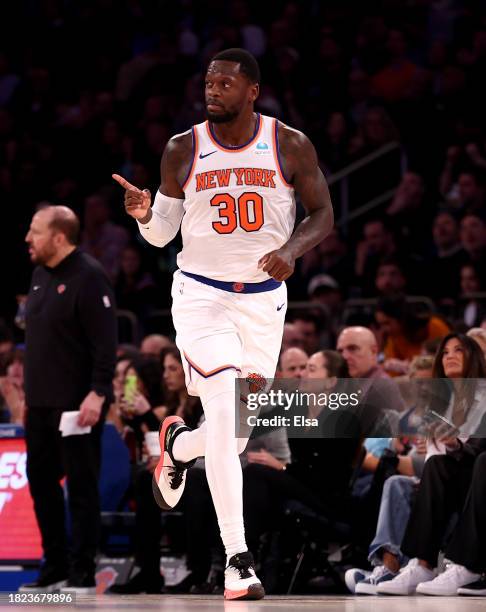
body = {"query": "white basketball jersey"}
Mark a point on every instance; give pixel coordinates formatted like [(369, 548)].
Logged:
[(238, 205)]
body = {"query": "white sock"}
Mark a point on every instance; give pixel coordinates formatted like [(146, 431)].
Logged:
[(223, 467), (190, 444)]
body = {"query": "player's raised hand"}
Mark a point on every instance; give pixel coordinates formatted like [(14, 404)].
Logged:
[(137, 201), (279, 264)]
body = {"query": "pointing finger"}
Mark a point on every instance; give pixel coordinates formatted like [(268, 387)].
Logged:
[(124, 183)]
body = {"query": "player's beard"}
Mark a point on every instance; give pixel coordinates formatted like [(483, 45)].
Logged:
[(225, 117)]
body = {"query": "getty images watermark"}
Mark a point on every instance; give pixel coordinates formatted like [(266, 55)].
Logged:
[(292, 400), (352, 407)]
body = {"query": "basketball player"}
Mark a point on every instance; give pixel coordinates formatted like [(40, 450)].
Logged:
[(231, 181)]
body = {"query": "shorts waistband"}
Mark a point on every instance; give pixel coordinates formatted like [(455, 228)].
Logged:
[(268, 285)]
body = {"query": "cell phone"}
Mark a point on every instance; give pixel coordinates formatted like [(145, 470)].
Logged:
[(438, 416), (130, 388)]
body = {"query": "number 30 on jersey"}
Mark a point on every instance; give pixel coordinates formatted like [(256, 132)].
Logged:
[(237, 212)]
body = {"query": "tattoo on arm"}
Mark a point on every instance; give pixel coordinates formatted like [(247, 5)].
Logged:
[(175, 164), (300, 164)]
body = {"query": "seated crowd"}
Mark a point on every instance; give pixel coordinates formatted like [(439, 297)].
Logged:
[(403, 492)]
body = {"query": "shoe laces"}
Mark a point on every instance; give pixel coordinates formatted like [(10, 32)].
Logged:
[(176, 475), (242, 567), (378, 572)]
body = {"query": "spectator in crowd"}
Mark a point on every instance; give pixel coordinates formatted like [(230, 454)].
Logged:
[(473, 238), (12, 388), (142, 407), (445, 265), (292, 337), (102, 238), (135, 288), (325, 291), (308, 325), (70, 336), (478, 334), (405, 331), (377, 244), (114, 414), (331, 257), (359, 349), (391, 277), (154, 344), (292, 363), (467, 194), (392, 83), (380, 397), (408, 198), (471, 310)]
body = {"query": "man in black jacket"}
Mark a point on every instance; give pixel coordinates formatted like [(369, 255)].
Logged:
[(69, 366)]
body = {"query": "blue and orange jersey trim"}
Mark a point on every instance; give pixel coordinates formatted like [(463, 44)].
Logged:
[(210, 373), (195, 148), (238, 149), (276, 153)]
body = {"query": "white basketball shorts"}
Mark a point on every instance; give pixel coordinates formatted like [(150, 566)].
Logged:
[(218, 329)]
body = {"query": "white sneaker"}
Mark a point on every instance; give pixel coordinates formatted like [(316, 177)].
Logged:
[(240, 581), (369, 585), (169, 477), (353, 576), (407, 580), (447, 583)]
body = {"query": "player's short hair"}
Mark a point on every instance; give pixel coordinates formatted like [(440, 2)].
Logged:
[(248, 64)]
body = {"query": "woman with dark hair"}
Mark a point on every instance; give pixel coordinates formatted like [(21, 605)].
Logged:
[(449, 479), (405, 330), (142, 409), (178, 401), (458, 394)]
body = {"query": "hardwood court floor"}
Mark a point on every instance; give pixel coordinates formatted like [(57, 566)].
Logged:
[(193, 603)]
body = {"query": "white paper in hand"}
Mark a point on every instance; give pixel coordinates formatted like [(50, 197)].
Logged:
[(69, 424)]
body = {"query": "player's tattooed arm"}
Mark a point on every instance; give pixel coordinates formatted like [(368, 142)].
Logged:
[(175, 165), (300, 165)]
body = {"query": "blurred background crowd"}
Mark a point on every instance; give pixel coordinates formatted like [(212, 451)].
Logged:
[(393, 87)]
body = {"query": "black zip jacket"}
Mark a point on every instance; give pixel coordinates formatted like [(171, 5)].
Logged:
[(71, 333)]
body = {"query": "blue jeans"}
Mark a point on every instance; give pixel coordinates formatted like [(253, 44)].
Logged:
[(395, 508)]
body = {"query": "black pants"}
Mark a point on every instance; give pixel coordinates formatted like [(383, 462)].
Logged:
[(148, 526), (200, 519), (50, 457), (443, 490), (264, 491), (468, 544)]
